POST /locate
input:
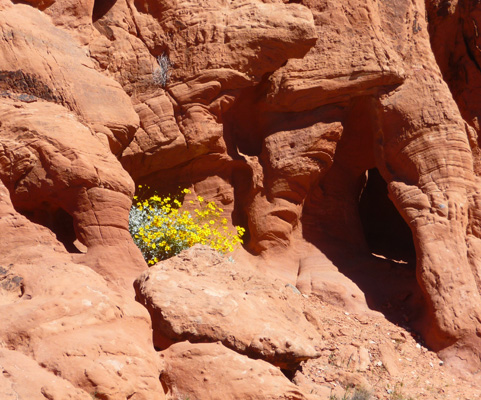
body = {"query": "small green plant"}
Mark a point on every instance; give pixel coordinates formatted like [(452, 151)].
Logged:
[(162, 228), (332, 359), (397, 394), (335, 397)]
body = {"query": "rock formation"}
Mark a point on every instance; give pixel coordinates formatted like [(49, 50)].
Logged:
[(62, 326), (207, 362), (211, 302), (343, 135)]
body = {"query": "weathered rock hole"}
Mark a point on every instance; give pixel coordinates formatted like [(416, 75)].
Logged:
[(101, 7), (386, 233), (59, 222), (290, 374), (389, 284), (164, 385)]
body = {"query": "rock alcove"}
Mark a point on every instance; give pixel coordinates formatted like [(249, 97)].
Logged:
[(386, 233)]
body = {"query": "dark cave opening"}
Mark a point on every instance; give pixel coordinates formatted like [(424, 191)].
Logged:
[(59, 221), (386, 232), (390, 283)]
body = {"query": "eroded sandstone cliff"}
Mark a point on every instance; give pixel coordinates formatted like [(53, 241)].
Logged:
[(343, 135)]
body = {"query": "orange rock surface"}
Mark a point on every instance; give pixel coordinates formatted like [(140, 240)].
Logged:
[(343, 135)]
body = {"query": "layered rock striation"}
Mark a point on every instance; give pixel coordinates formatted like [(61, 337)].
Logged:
[(342, 135)]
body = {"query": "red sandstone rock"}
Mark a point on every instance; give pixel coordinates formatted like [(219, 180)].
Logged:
[(455, 43), (54, 67), (319, 276), (64, 178), (201, 296), (22, 378), (211, 371), (398, 116), (186, 122), (65, 175), (66, 321), (278, 110)]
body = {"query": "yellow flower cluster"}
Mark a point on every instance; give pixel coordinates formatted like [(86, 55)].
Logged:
[(161, 228)]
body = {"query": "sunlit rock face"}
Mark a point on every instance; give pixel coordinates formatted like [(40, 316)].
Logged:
[(308, 123)]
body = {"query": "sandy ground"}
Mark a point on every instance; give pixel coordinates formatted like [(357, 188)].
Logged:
[(387, 360)]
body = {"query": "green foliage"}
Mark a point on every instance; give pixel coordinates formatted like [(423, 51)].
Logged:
[(397, 393), (162, 228)]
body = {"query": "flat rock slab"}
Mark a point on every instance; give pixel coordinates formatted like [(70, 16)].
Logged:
[(201, 296), (195, 371)]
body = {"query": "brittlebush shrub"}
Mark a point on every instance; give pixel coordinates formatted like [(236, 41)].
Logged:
[(162, 228)]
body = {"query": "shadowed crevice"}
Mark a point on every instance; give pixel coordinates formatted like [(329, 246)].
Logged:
[(58, 221), (102, 7), (386, 233)]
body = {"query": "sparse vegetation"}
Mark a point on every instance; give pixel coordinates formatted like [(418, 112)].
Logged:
[(361, 394), (162, 228), (358, 394), (364, 394), (161, 74), (397, 394)]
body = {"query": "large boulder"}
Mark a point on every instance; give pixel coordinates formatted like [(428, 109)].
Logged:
[(212, 371), (202, 296)]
